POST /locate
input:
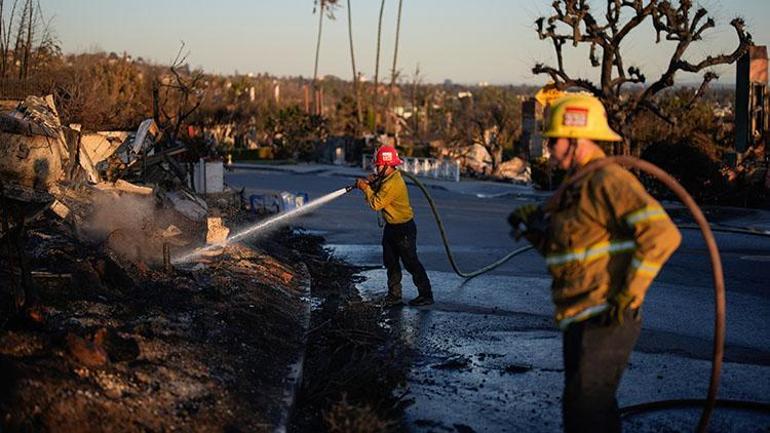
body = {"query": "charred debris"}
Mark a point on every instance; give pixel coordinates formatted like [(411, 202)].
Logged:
[(98, 332)]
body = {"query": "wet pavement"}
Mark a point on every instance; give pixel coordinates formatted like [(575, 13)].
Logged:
[(488, 357)]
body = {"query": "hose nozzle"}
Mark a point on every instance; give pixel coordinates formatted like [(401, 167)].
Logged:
[(349, 188)]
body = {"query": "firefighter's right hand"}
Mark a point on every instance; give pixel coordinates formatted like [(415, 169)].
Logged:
[(520, 218), (619, 304), (361, 183)]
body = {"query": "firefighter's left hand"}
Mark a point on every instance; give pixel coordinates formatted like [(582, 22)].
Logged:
[(619, 304), (522, 215), (361, 183)]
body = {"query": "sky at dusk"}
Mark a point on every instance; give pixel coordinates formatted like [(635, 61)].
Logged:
[(464, 41)]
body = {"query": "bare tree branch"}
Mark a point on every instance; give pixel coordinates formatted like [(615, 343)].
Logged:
[(708, 77), (653, 108), (175, 101), (677, 64), (572, 21)]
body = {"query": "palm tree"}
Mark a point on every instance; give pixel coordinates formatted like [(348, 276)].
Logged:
[(377, 63), (327, 6), (395, 60), (353, 64)]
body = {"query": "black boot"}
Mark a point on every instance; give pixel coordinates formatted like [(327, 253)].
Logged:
[(421, 301), (392, 299)]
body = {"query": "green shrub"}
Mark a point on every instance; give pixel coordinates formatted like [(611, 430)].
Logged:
[(694, 162)]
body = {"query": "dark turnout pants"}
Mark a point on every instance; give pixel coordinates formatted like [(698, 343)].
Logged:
[(596, 352), (399, 242)]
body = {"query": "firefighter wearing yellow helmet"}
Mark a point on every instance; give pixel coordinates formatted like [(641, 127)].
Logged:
[(604, 240)]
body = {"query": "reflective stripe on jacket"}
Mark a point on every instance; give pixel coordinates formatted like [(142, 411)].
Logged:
[(392, 199), (606, 235)]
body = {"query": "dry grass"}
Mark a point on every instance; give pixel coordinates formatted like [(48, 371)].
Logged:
[(353, 364), (344, 417)]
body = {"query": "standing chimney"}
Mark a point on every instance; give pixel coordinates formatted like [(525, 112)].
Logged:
[(751, 100)]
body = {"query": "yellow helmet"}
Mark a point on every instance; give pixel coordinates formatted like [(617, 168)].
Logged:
[(579, 116)]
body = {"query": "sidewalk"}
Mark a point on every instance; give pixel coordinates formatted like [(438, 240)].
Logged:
[(478, 188), (725, 218), (752, 219)]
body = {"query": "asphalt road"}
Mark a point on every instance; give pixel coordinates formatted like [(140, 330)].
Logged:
[(488, 357)]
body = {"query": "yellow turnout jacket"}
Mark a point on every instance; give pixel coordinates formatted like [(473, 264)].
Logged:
[(392, 199), (606, 235)]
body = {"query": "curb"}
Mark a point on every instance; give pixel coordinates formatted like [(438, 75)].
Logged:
[(241, 166), (293, 380)]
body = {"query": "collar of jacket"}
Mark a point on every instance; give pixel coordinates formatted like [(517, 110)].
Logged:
[(377, 184), (386, 178)]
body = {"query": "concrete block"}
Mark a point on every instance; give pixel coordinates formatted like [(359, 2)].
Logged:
[(209, 177), (217, 232)]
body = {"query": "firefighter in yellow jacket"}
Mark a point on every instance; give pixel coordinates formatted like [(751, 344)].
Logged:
[(604, 240), (386, 191)]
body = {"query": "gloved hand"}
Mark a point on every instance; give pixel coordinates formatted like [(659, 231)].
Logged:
[(619, 304), (521, 217), (361, 183)]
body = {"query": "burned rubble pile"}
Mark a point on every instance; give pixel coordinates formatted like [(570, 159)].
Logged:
[(99, 330)]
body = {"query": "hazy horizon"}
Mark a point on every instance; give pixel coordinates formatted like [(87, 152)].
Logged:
[(490, 41)]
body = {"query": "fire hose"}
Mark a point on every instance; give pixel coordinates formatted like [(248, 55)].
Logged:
[(711, 401), (445, 241)]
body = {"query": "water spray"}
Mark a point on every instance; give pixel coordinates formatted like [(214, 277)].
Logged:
[(261, 226)]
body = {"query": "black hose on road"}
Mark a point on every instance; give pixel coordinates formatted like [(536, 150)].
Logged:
[(687, 403), (444, 239)]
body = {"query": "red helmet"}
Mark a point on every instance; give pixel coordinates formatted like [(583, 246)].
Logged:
[(388, 156)]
